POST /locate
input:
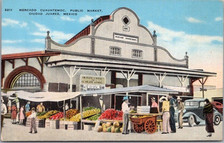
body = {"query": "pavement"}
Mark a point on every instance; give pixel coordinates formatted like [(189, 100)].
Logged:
[(12, 132)]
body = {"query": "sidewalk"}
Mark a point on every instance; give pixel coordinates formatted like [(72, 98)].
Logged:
[(21, 133)]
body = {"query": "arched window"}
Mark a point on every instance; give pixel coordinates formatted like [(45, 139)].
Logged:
[(25, 80)]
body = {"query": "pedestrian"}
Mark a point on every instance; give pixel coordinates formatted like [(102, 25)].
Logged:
[(27, 106), (21, 115), (208, 113), (166, 115), (33, 121), (154, 104), (172, 112), (16, 100), (9, 106), (3, 112), (14, 113), (180, 107), (40, 108), (125, 110)]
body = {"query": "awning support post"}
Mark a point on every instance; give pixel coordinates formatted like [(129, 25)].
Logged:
[(71, 74), (128, 77), (160, 78), (81, 110), (147, 99), (182, 79), (202, 81)]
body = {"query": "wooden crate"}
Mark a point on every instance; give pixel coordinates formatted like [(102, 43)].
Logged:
[(62, 125), (28, 122), (47, 123), (53, 124)]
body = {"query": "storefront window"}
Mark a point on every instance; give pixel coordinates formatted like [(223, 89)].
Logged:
[(115, 51)]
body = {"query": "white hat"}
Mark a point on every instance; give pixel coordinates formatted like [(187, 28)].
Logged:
[(163, 98), (178, 98)]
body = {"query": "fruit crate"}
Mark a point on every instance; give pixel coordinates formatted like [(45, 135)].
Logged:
[(53, 124), (41, 123), (47, 123), (62, 125), (28, 122)]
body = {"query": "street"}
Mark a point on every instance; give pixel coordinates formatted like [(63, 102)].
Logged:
[(13, 132)]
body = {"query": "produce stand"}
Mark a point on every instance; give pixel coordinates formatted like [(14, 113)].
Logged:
[(144, 122)]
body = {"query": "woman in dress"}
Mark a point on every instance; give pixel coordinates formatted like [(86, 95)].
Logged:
[(21, 115), (13, 115), (208, 113)]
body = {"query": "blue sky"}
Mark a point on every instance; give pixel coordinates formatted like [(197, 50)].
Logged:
[(193, 26)]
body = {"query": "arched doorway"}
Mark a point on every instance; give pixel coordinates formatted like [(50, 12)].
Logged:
[(25, 78)]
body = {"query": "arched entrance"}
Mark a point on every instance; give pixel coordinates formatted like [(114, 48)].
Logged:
[(25, 78)]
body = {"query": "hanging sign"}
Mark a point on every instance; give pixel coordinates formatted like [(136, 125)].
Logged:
[(89, 82)]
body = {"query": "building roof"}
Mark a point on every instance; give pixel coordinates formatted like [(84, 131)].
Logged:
[(86, 30), (28, 55)]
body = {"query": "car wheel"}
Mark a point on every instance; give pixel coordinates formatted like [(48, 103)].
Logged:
[(191, 120), (197, 123), (217, 120)]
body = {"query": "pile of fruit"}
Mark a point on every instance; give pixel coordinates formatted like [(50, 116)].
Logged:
[(71, 112), (112, 114), (88, 108), (57, 116), (41, 113), (109, 127), (28, 113), (85, 114), (93, 118), (48, 114)]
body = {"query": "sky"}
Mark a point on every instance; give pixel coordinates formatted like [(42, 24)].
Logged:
[(192, 26)]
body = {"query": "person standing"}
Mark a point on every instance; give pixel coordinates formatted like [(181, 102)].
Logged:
[(166, 115), (154, 104), (208, 113), (3, 112), (14, 113), (180, 107), (33, 121), (125, 110), (27, 106), (9, 106), (17, 102), (40, 108), (21, 115), (172, 112)]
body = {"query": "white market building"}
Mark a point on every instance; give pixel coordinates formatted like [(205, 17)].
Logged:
[(113, 51)]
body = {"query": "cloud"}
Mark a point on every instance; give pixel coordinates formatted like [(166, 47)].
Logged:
[(204, 51), (13, 23), (57, 36), (193, 20), (87, 18), (42, 41), (16, 49), (11, 41), (66, 18), (218, 19)]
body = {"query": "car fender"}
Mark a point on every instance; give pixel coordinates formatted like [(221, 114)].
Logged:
[(217, 113), (187, 115)]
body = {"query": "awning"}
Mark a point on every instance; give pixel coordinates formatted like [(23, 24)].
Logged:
[(46, 96), (142, 89)]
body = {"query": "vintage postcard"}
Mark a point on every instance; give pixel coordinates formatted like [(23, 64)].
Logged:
[(96, 70)]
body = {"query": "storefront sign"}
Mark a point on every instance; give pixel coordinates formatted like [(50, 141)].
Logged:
[(88, 82), (125, 38)]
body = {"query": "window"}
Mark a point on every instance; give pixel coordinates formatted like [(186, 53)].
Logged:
[(115, 51), (26, 80), (136, 53), (192, 104)]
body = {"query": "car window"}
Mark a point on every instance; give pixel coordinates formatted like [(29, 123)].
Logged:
[(192, 104), (202, 104)]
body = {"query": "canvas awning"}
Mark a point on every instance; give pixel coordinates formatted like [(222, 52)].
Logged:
[(134, 89), (46, 96)]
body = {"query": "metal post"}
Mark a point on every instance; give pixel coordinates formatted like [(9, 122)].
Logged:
[(81, 110), (147, 99)]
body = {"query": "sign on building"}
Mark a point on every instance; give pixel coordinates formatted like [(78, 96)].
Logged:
[(89, 82)]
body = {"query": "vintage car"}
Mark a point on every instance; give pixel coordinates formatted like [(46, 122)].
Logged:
[(193, 112), (218, 106)]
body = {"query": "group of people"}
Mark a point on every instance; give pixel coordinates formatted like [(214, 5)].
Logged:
[(168, 110)]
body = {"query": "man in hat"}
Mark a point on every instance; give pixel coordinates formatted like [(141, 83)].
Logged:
[(166, 115), (125, 110), (172, 112), (33, 121), (180, 107), (27, 106)]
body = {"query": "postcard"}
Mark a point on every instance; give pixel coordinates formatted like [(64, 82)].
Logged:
[(94, 70)]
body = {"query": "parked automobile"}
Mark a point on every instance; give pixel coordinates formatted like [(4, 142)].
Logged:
[(193, 112), (218, 106)]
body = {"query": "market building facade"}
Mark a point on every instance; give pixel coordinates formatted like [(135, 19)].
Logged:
[(113, 51)]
